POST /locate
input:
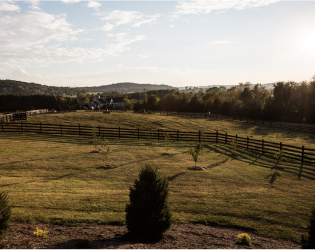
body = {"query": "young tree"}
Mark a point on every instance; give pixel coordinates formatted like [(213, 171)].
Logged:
[(195, 152), (148, 215)]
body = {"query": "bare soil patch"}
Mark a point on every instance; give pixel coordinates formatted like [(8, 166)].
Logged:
[(95, 151), (107, 167), (167, 154), (197, 168), (185, 236)]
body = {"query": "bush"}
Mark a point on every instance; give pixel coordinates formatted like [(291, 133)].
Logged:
[(244, 239), (308, 241), (148, 215), (5, 215)]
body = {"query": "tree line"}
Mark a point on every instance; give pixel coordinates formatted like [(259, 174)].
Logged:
[(286, 101)]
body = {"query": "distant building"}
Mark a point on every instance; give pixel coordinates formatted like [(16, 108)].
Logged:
[(116, 102)]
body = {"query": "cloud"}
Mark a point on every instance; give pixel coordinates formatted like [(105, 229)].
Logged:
[(172, 26), (43, 56), (22, 75), (122, 43), (120, 17), (8, 6), (141, 56), (34, 4), (70, 1), (220, 42), (24, 29), (93, 4), (107, 27), (206, 6)]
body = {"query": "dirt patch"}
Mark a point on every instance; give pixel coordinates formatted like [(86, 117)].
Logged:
[(95, 151), (107, 167), (184, 236), (197, 168), (233, 155), (167, 154)]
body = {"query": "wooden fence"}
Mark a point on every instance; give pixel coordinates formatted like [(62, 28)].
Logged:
[(272, 124), (301, 155)]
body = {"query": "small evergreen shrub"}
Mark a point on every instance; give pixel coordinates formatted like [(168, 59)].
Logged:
[(308, 241), (148, 215), (244, 239), (5, 215)]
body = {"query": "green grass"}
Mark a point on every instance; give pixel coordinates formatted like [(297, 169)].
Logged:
[(56, 180), (146, 121)]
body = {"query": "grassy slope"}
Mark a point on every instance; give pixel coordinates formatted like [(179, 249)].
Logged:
[(54, 179), (131, 120)]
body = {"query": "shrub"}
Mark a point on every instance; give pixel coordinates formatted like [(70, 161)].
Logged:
[(40, 233), (5, 215), (148, 215), (244, 239), (308, 241)]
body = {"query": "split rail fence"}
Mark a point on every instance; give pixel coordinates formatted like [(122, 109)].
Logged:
[(301, 155), (267, 123)]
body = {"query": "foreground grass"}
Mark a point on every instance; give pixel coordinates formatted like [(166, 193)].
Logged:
[(56, 180), (146, 121)]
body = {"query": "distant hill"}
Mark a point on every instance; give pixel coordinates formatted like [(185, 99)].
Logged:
[(25, 88), (129, 87)]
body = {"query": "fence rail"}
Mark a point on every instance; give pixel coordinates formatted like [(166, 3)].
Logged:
[(272, 124), (301, 155)]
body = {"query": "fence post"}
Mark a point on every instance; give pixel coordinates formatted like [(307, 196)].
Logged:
[(302, 161), (21, 127), (217, 137), (158, 134), (119, 132), (177, 134), (262, 146), (280, 145), (99, 130), (40, 125), (60, 129), (2, 126), (199, 136), (236, 139), (138, 134), (247, 143), (79, 130), (225, 138)]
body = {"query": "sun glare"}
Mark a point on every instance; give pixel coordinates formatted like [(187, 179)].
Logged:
[(307, 44)]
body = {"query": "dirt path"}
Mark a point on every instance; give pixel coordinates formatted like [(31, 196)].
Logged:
[(184, 236)]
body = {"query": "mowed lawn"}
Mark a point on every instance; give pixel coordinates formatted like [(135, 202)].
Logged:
[(56, 180), (150, 121)]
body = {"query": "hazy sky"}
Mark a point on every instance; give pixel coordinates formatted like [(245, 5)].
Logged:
[(179, 43)]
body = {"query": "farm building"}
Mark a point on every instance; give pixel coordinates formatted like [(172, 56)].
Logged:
[(116, 102)]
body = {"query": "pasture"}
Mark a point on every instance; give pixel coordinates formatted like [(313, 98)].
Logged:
[(54, 179)]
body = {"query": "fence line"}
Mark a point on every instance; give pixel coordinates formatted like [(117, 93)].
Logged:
[(295, 154), (267, 123)]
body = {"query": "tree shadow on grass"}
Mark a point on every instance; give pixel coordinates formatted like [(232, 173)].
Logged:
[(218, 163), (171, 178), (273, 177)]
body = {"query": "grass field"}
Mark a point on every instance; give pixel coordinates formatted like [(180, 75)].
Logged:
[(56, 180), (146, 121)]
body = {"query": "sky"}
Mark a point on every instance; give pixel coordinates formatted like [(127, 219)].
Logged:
[(178, 43)]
